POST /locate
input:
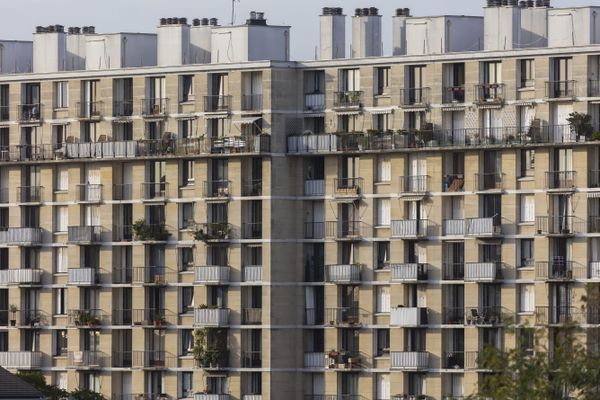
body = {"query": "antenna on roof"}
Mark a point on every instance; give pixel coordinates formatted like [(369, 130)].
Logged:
[(233, 11)]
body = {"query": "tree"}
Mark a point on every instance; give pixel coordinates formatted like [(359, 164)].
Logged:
[(38, 381), (581, 123), (85, 394)]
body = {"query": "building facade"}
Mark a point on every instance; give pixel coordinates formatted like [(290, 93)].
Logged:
[(331, 229)]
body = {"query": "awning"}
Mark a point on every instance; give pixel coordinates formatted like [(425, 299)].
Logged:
[(122, 121), (489, 106), (348, 112), (60, 123), (185, 117), (245, 121), (381, 111), (525, 103), (185, 245), (312, 114), (454, 108), (217, 116), (413, 197)]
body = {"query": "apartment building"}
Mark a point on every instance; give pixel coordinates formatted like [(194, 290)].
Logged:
[(344, 228)]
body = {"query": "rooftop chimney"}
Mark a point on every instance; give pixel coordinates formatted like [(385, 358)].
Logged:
[(200, 40), (256, 18), (333, 33), (366, 33), (173, 42), (49, 49), (399, 31)]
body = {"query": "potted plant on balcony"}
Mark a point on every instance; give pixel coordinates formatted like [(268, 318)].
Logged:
[(581, 125), (160, 320), (13, 310)]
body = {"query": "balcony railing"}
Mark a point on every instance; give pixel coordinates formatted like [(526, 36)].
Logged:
[(414, 184), (86, 318), (453, 315), (84, 234), (346, 316), (206, 396), (90, 110), (155, 107), (217, 103), (29, 194), (32, 318), (218, 189), (90, 192), (20, 276), (251, 359), (154, 190), (252, 273), (594, 88), (122, 191), (153, 359), (252, 187), (410, 360), (314, 101), (154, 275), (559, 225), (314, 187), (315, 316), (489, 181), (214, 231), (483, 227), (211, 317), (408, 316), (314, 359), (489, 93), (560, 179), (252, 102), (468, 360), (87, 359), (122, 108), (347, 187), (252, 230), (156, 317), (4, 113), (21, 359), (560, 269), (561, 89), (83, 276), (453, 227), (346, 230), (414, 96), (123, 233), (408, 272), (453, 271), (210, 274), (314, 230), (482, 271), (594, 269), (410, 228), (347, 99), (558, 315), (29, 113), (486, 315), (454, 94), (21, 236), (251, 316), (343, 273), (453, 183)]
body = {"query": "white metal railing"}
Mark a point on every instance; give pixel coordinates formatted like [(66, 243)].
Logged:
[(312, 143), (454, 227), (21, 359), (24, 235), (20, 276), (408, 316), (410, 360), (408, 227), (82, 276), (314, 187), (211, 316), (252, 397), (314, 360), (252, 273), (343, 273), (211, 274), (481, 226), (595, 270), (206, 396), (314, 101), (480, 271), (406, 272)]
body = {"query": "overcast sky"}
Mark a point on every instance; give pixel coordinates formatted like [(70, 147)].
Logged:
[(19, 17)]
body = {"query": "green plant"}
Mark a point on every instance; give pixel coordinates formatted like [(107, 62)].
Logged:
[(85, 394), (208, 355), (143, 231), (373, 131), (596, 135), (581, 123), (38, 381), (13, 308), (212, 231)]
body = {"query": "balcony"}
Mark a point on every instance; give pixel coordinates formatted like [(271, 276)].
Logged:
[(251, 230), (240, 144), (155, 107), (314, 187), (314, 102), (123, 233), (489, 181), (414, 185), (314, 230), (315, 316), (154, 359), (410, 228), (453, 271), (594, 88), (314, 359), (453, 227), (343, 360), (217, 190), (84, 234), (453, 316), (122, 191), (32, 318), (312, 144), (486, 315), (211, 275), (149, 317), (408, 272), (87, 360), (350, 99), (4, 113), (453, 183), (154, 276), (213, 232), (410, 360), (252, 102), (415, 97), (468, 360), (154, 191), (83, 276), (217, 104), (252, 273), (560, 269), (346, 230), (211, 317), (29, 194), (21, 359), (251, 316), (21, 236), (406, 317), (489, 93), (122, 108), (561, 89), (343, 274), (90, 110), (454, 94), (347, 188), (252, 187), (483, 227), (87, 318), (595, 270), (561, 180), (206, 396), (560, 315), (559, 225), (483, 271), (146, 232), (30, 113), (251, 359), (346, 316), (90, 193), (20, 277)]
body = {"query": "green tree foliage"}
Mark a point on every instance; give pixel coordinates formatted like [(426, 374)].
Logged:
[(84, 394), (38, 381)]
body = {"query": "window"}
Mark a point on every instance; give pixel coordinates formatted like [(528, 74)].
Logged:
[(60, 343), (526, 340), (187, 172), (383, 254), (187, 342), (62, 179), (384, 169), (526, 298), (60, 301), (60, 260), (382, 80), (187, 299), (381, 122), (527, 208), (59, 135), (383, 299), (186, 258), (61, 380), (527, 73), (187, 215), (61, 94), (526, 256), (61, 219), (527, 163), (187, 88), (382, 338), (347, 123), (383, 387), (186, 384), (383, 212)]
